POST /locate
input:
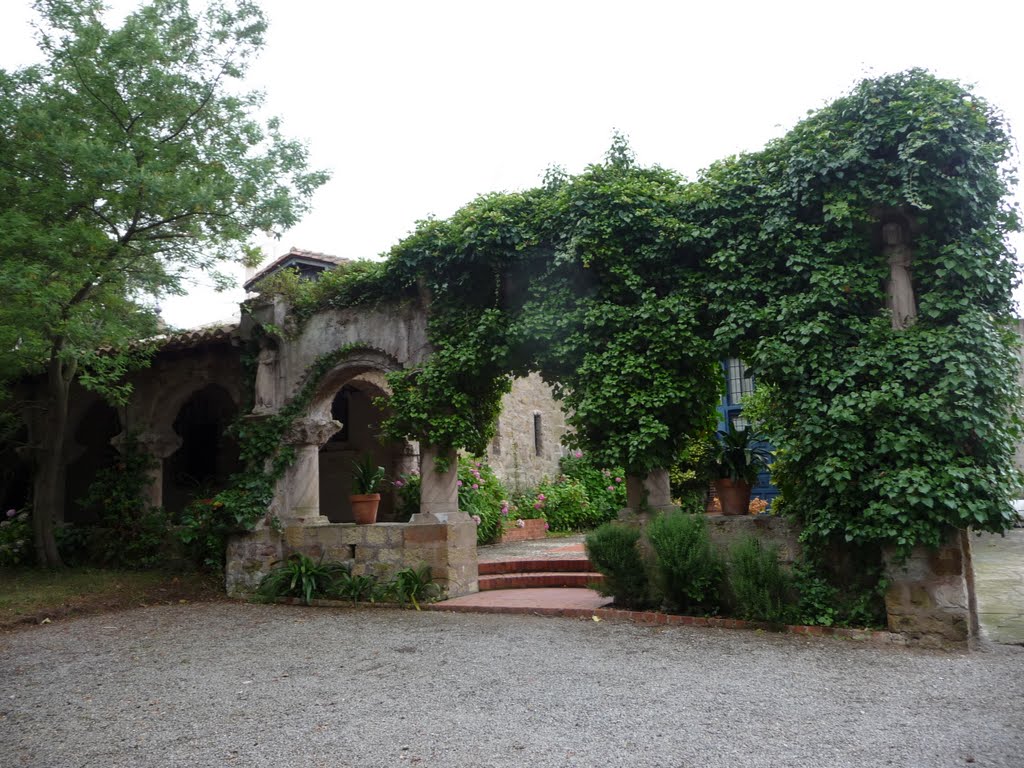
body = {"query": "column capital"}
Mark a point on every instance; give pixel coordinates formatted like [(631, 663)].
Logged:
[(311, 431)]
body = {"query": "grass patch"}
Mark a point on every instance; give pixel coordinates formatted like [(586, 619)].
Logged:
[(29, 596)]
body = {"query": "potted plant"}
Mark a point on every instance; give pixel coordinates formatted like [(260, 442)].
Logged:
[(365, 498), (738, 459)]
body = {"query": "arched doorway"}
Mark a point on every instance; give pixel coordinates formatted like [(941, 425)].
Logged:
[(208, 455), (354, 406)]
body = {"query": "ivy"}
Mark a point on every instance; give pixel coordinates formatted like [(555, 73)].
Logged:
[(623, 286)]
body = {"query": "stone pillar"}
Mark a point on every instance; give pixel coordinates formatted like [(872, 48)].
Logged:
[(445, 536), (653, 492), (158, 445), (930, 595), (439, 491), (297, 498)]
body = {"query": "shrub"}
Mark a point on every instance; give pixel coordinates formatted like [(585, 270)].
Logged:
[(299, 576), (760, 587), (355, 588), (130, 532), (688, 570), (413, 585), (614, 550), (605, 487), (16, 538), (564, 504), (846, 590)]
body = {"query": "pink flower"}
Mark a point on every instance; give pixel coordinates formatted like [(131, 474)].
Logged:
[(476, 519), (546, 526), (577, 454), (618, 479), (458, 483), (541, 496), (475, 486), (537, 505), (520, 524), (12, 512), (611, 487), (398, 483)]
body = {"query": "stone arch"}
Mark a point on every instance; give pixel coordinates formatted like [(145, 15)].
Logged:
[(354, 385), (206, 455)]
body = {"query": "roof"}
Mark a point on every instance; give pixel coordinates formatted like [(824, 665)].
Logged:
[(295, 257), (195, 337)]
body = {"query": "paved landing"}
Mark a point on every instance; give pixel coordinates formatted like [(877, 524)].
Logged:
[(999, 585), (540, 600)]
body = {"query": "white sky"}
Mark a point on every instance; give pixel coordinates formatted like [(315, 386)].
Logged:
[(417, 107)]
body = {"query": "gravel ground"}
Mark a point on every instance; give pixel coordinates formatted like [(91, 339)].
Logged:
[(250, 685)]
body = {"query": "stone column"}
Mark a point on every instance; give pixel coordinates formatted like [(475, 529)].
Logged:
[(158, 445), (439, 491), (297, 498), (929, 597), (441, 535), (653, 490)]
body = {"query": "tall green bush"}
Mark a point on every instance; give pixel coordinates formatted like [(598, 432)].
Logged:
[(688, 569), (615, 552), (760, 589)]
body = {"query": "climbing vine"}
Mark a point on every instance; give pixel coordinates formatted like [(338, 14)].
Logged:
[(624, 285)]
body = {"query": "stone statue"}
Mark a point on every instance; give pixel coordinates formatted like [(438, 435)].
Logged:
[(900, 289), (266, 381)]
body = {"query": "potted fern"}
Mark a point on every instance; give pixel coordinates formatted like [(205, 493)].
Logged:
[(739, 457), (365, 498)]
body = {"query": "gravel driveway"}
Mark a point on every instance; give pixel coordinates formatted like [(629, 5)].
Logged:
[(249, 685)]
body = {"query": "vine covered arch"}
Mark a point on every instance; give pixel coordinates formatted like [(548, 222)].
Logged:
[(859, 264)]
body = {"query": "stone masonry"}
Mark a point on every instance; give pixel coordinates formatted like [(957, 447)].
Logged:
[(521, 455)]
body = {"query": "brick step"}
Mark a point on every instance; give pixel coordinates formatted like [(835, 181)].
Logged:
[(538, 579), (548, 565)]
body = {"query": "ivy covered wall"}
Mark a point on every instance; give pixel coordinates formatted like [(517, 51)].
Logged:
[(859, 264)]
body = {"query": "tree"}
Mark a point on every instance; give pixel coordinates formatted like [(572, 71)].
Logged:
[(130, 156)]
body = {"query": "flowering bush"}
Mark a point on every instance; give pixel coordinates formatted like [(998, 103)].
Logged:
[(582, 497), (16, 538)]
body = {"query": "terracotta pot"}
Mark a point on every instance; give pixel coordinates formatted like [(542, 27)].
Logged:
[(734, 496), (364, 507)]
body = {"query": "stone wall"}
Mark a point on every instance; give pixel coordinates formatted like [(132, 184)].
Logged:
[(727, 530), (379, 550), (931, 596), (515, 454)]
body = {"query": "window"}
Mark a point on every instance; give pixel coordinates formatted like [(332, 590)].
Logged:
[(538, 437), (739, 382)]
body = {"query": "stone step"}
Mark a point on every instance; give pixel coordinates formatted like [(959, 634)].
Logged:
[(539, 579), (547, 565)]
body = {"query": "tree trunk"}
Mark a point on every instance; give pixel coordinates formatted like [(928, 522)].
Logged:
[(48, 495)]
